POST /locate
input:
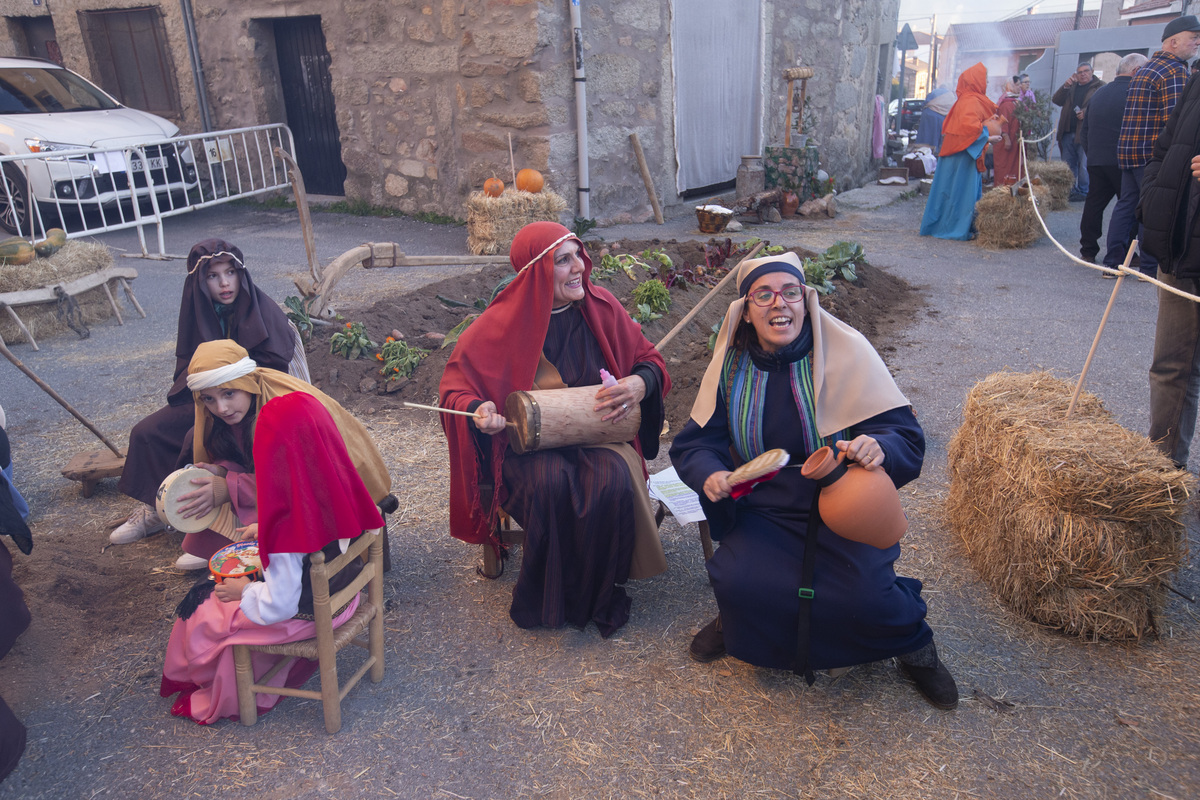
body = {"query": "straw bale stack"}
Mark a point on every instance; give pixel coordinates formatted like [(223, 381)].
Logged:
[(1076, 524), (1058, 176), (493, 221), (75, 260), (1004, 221)]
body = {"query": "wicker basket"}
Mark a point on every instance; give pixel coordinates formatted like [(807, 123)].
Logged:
[(711, 220)]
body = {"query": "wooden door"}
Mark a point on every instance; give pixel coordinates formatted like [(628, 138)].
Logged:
[(308, 101)]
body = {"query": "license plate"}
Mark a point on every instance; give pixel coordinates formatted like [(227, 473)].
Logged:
[(156, 163)]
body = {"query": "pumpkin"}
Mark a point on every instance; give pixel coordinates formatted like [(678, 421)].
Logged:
[(54, 241), (493, 187), (529, 180), (16, 251)]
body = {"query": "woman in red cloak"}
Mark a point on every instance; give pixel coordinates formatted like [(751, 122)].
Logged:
[(585, 510)]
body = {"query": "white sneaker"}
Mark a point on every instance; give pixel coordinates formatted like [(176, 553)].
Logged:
[(188, 562), (141, 523)]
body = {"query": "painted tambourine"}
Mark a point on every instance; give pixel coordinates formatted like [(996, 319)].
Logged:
[(238, 560), (167, 503)]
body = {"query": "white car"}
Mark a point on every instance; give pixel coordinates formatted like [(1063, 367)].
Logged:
[(47, 109)]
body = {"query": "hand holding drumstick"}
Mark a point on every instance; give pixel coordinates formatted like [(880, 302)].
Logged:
[(488, 419)]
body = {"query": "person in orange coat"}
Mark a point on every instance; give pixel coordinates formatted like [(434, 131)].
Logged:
[(958, 183)]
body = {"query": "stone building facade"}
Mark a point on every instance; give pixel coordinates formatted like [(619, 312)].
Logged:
[(424, 94)]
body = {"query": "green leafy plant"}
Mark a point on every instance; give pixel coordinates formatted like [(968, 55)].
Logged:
[(839, 261), (580, 226), (351, 342), (653, 294), (298, 311), (652, 299), (712, 336), (399, 358), (1034, 118)]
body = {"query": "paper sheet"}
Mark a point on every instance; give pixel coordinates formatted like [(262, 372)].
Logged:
[(683, 502)]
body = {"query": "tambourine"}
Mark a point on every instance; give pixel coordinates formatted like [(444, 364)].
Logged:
[(167, 503), (755, 471), (238, 560)]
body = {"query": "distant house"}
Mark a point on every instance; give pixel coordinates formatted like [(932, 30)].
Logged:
[(1150, 12), (1006, 47)]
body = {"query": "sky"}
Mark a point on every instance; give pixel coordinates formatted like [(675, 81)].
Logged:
[(917, 12)]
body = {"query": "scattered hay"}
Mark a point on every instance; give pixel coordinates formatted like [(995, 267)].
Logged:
[(75, 260), (1076, 524), (493, 221), (1004, 221), (1058, 176)]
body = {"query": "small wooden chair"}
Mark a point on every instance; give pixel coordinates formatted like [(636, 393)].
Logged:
[(329, 640)]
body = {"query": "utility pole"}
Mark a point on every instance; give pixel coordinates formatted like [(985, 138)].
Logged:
[(933, 61), (1079, 13)]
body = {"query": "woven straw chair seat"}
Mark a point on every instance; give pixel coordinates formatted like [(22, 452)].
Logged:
[(307, 648)]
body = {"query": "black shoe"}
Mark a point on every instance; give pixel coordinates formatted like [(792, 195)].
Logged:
[(709, 644), (935, 684), (1076, 197)]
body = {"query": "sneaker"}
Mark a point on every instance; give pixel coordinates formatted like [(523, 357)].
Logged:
[(141, 523), (709, 644), (935, 684), (189, 563), (1076, 197)]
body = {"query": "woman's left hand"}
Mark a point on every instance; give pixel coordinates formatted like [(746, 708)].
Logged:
[(617, 402), (230, 589), (863, 449)]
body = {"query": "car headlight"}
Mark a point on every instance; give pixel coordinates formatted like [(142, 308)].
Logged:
[(43, 146)]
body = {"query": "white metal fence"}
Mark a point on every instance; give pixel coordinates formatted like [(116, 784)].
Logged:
[(87, 191)]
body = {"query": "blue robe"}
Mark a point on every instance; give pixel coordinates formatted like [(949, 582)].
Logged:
[(929, 129), (861, 611), (957, 187)]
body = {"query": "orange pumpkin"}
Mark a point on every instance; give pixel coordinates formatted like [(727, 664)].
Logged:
[(529, 180), (493, 187)]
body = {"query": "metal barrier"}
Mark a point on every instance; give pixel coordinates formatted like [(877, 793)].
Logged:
[(86, 190)]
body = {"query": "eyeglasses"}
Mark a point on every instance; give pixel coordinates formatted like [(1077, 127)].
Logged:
[(766, 297)]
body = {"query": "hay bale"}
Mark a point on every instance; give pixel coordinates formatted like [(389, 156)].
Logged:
[(492, 222), (75, 260), (1076, 524), (1004, 221), (1058, 176)]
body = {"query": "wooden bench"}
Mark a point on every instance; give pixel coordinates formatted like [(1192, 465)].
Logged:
[(51, 294)]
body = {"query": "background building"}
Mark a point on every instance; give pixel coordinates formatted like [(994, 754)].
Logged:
[(410, 103)]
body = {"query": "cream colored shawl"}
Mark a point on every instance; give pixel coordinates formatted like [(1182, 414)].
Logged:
[(850, 379)]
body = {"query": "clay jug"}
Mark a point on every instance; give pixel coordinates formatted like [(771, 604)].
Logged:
[(857, 504), (787, 208)]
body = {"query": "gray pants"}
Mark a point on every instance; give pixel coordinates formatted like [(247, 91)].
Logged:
[(1175, 371)]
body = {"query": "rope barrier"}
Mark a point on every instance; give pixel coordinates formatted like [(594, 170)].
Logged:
[(1124, 269)]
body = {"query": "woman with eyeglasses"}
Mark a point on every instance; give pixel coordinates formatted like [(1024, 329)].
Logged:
[(220, 301), (786, 374)]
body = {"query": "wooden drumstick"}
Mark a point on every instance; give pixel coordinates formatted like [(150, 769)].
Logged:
[(473, 414)]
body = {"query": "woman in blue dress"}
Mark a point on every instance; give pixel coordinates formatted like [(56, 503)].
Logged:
[(786, 374), (958, 181)]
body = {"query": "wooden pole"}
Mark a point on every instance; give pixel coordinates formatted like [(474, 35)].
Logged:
[(512, 163), (306, 226), (1103, 321), (787, 119), (671, 334), (17, 363), (641, 162)]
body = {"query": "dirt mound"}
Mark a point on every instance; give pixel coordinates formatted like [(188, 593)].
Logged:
[(876, 304)]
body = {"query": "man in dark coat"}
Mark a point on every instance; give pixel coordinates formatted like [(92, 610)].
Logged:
[(1153, 92), (1098, 132), (1074, 96), (1170, 215)]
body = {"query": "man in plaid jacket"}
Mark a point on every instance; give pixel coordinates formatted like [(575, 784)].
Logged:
[(1152, 95)]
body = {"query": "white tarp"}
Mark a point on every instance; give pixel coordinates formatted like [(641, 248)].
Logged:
[(718, 97)]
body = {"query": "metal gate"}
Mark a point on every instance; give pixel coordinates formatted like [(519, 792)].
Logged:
[(308, 100)]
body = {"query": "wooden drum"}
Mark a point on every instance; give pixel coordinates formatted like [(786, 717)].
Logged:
[(549, 418), (167, 503)]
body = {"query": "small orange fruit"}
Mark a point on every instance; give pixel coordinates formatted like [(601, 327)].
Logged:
[(493, 187), (529, 180)]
